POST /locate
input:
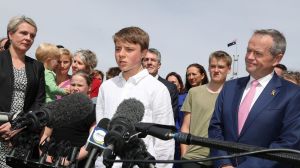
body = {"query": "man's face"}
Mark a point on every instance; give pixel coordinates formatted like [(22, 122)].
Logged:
[(218, 70), (128, 57), (151, 63), (259, 61)]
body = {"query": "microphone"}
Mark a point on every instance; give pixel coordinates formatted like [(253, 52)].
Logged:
[(62, 149), (55, 114), (166, 132), (121, 128), (95, 144), (5, 117), (72, 157), (136, 150)]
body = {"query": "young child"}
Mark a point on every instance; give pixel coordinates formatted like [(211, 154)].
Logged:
[(49, 55), (131, 45)]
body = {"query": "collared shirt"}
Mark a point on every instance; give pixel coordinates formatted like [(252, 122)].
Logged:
[(262, 84), (156, 99)]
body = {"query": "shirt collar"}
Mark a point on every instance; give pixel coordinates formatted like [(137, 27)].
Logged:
[(264, 80), (136, 78)]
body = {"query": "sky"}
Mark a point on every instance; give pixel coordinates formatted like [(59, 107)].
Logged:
[(184, 31)]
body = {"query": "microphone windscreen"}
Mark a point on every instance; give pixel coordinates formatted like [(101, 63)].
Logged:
[(131, 109), (103, 123), (69, 109)]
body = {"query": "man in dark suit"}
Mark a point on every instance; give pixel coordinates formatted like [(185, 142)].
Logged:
[(273, 117), (152, 62)]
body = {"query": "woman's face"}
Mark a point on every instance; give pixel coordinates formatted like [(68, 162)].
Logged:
[(194, 76), (174, 80), (79, 85), (64, 64), (77, 64), (23, 38)]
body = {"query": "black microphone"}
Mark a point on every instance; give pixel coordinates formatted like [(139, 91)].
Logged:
[(72, 157), (136, 149), (95, 144), (62, 150), (69, 109), (166, 132), (121, 128)]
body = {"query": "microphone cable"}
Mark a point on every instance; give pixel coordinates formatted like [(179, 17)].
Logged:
[(295, 160)]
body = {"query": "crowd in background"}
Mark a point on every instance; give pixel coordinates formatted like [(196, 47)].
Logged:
[(27, 83)]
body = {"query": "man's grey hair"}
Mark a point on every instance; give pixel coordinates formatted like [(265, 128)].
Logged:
[(156, 52), (279, 42)]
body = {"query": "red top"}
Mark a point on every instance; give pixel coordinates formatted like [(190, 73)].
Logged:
[(96, 83)]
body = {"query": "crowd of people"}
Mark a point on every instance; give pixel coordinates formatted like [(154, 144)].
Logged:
[(207, 104)]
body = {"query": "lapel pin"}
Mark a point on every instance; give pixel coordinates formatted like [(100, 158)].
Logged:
[(273, 92)]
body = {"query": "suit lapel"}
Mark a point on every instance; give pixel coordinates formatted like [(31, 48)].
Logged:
[(159, 78), (265, 98)]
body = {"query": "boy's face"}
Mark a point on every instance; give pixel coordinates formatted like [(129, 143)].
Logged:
[(128, 57), (51, 63), (218, 70)]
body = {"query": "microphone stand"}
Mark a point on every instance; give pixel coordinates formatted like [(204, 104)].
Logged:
[(72, 157), (108, 157), (136, 150)]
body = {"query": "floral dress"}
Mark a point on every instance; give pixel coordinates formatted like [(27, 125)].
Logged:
[(18, 98)]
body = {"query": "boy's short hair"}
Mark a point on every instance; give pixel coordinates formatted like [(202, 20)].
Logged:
[(133, 35), (221, 55), (45, 51)]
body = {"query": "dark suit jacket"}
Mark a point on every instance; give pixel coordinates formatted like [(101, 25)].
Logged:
[(173, 93), (35, 91), (273, 122)]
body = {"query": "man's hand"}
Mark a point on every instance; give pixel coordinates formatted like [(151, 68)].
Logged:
[(5, 130), (6, 133)]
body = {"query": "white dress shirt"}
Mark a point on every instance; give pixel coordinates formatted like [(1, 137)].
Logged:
[(158, 109), (262, 84)]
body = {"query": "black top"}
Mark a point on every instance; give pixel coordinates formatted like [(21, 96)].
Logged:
[(35, 90)]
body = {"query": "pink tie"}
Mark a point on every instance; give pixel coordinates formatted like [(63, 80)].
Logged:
[(246, 104)]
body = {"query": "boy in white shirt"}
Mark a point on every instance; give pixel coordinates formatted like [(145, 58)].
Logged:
[(131, 45)]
